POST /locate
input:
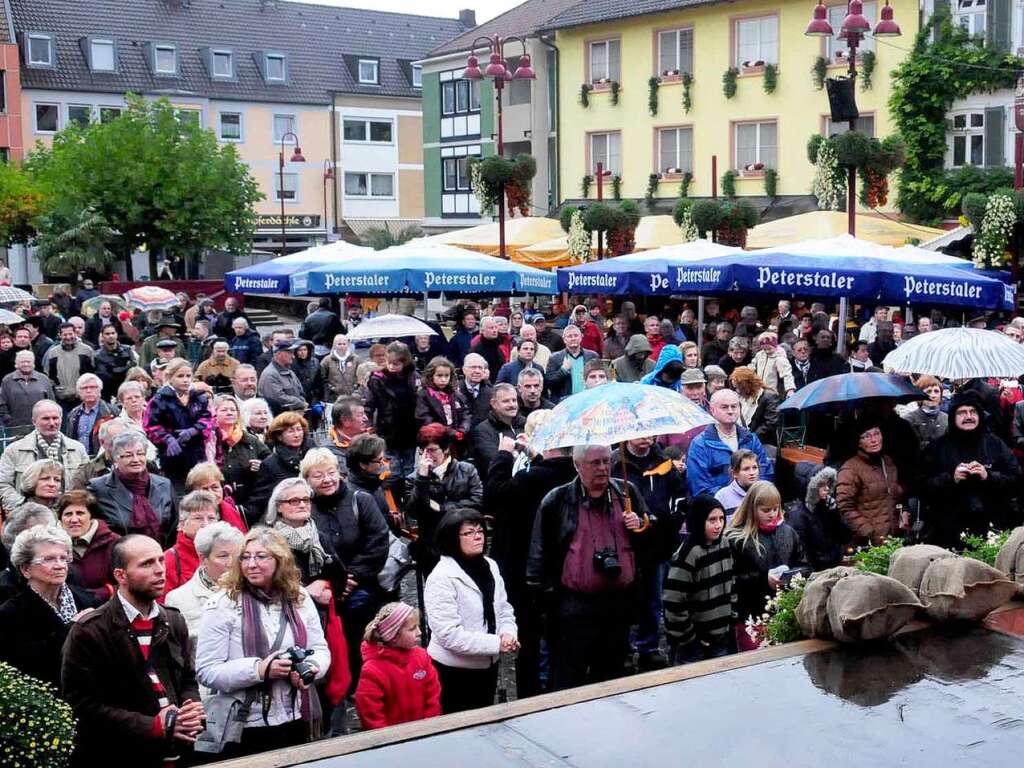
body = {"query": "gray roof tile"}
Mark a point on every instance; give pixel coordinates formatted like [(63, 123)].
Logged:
[(6, 35), (595, 11), (316, 39), (524, 19)]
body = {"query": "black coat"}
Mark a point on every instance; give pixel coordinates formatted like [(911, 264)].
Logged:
[(765, 421), (113, 367), (825, 363), (104, 678), (513, 500), (430, 411), (479, 406), (234, 464), (491, 351), (459, 488), (664, 491), (321, 327), (391, 407), (351, 527), (750, 566), (282, 463), (483, 440), (34, 635)]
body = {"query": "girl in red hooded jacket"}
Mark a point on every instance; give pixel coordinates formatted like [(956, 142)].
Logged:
[(398, 683)]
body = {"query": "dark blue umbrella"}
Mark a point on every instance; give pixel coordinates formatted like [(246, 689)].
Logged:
[(847, 387)]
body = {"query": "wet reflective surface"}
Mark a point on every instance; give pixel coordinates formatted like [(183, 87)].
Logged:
[(951, 696)]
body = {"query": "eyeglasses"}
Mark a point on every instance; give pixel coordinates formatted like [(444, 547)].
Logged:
[(52, 560), (317, 477), (472, 534), (259, 557), (303, 500), (206, 519)]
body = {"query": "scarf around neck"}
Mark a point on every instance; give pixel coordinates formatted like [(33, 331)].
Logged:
[(306, 540), (770, 527), (479, 570), (53, 450), (143, 518), (65, 607)]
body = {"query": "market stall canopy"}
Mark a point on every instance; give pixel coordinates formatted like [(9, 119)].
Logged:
[(821, 225), (420, 267), (656, 271), (273, 276), (520, 232), (858, 270), (957, 354), (652, 232)]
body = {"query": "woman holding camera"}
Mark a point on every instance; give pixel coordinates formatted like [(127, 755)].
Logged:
[(471, 621), (262, 613)]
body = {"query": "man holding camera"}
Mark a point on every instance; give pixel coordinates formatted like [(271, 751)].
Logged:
[(583, 568)]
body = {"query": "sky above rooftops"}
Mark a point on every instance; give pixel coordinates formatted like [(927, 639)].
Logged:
[(442, 8)]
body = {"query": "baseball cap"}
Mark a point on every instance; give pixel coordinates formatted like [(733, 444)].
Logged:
[(692, 376)]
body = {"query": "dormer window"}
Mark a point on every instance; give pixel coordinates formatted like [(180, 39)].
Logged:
[(39, 50), (369, 72), (165, 59), (222, 63), (417, 76), (102, 55), (276, 69)]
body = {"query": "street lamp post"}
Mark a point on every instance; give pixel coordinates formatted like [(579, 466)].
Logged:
[(855, 28), (328, 176), (295, 158), (498, 70)]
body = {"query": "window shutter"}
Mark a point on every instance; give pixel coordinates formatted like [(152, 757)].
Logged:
[(994, 130), (998, 24)]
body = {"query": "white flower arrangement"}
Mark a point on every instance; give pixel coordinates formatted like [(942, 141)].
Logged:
[(688, 228), (996, 230), (579, 239), (480, 190), (829, 183)]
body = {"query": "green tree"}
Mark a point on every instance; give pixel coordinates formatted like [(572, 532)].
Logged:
[(380, 238), (156, 180), (73, 241), (21, 201)]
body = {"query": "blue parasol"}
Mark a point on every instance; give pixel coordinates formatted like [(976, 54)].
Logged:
[(846, 387), (273, 276)]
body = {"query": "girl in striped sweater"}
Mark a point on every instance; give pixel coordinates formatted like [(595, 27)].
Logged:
[(699, 597)]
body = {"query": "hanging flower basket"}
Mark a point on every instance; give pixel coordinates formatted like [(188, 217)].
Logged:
[(491, 176)]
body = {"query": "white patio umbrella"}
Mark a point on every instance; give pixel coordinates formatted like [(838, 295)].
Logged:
[(390, 327), (958, 353)]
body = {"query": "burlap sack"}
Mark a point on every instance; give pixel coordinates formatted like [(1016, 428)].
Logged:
[(1010, 559), (868, 606), (908, 564), (963, 588), (812, 611)]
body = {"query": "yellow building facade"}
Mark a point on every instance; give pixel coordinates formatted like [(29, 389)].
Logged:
[(750, 129)]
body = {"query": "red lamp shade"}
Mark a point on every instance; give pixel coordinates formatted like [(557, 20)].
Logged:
[(855, 21), (525, 71), (496, 68), (887, 27), (297, 155), (819, 26), (473, 69)]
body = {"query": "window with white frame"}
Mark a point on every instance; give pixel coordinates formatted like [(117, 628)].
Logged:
[(284, 124), (606, 148), (189, 117), (165, 59), (101, 56), (364, 184), (222, 63), (968, 138), (47, 118), (675, 51), (108, 114), (369, 71), (865, 124), (40, 50), (757, 40), (675, 150), (80, 114), (970, 14), (417, 76), (286, 187), (230, 127), (605, 60), (460, 97), (275, 68), (838, 50), (358, 130), (756, 143), (456, 174)]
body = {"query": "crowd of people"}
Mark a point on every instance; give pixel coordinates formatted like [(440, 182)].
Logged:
[(200, 523)]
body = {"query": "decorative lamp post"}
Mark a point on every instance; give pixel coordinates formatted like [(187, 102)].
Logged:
[(497, 69), (328, 176), (855, 28), (295, 158)]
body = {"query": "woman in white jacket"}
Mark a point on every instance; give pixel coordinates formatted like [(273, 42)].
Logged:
[(262, 612), (471, 621), (218, 545)]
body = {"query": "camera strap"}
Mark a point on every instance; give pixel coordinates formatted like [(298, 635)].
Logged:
[(266, 687)]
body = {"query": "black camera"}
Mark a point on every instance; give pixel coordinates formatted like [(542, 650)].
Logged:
[(297, 656), (606, 562)]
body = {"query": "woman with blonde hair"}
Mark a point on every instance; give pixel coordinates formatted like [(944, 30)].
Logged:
[(759, 406), (239, 454), (43, 482), (691, 354), (761, 544), (208, 477), (262, 611)]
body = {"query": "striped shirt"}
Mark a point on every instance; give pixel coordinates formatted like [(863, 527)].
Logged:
[(142, 629), (700, 594)]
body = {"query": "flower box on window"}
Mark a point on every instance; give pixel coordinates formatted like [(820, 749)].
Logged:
[(603, 84), (751, 171), (671, 174), (752, 67), (671, 76)]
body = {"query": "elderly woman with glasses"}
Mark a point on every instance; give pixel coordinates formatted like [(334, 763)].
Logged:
[(196, 511), (208, 477), (43, 482), (263, 610), (217, 545), (35, 622), (288, 438), (21, 518)]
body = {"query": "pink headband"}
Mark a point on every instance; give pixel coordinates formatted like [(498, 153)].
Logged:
[(389, 626)]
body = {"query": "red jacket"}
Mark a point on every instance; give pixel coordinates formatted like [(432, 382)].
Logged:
[(396, 686), (181, 561), (94, 566), (593, 339)]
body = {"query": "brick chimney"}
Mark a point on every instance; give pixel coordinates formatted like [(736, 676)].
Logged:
[(467, 17)]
